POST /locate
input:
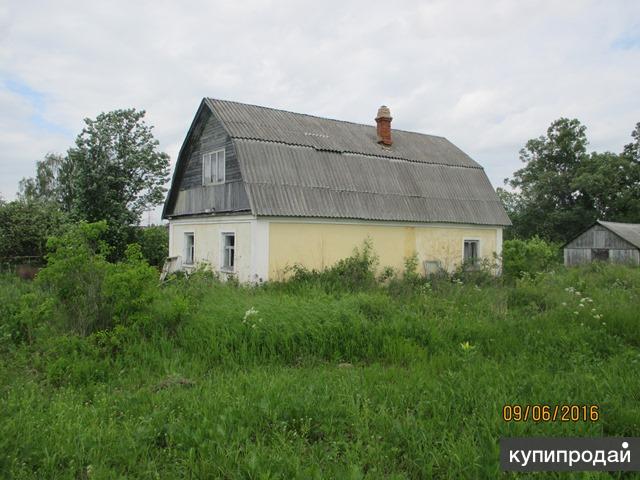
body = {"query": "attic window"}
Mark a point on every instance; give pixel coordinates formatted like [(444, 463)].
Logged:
[(213, 164)]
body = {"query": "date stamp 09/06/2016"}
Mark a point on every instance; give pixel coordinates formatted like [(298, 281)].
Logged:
[(550, 413), (559, 454)]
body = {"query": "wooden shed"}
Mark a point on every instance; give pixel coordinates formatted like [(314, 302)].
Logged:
[(605, 241)]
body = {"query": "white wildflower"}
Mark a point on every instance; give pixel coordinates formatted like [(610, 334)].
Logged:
[(249, 313)]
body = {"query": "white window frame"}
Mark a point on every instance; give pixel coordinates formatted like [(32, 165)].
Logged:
[(212, 160), (478, 251), (186, 248), (223, 236)]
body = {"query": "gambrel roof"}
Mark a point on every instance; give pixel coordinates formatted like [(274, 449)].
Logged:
[(300, 165)]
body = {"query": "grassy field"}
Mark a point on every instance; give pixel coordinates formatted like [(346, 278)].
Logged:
[(296, 380)]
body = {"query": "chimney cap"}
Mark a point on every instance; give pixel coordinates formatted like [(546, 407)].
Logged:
[(383, 112)]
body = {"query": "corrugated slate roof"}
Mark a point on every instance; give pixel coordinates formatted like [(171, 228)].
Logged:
[(300, 181), (294, 164), (628, 231), (268, 124)]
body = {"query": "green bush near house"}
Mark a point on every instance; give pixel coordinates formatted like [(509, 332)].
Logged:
[(93, 294), (521, 257), (154, 244), (105, 373)]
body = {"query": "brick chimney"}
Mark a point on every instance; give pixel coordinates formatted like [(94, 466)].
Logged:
[(383, 119)]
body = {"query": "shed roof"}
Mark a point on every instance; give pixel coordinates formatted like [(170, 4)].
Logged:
[(628, 231), (295, 164)]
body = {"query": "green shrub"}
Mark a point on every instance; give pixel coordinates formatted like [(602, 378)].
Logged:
[(34, 310), (94, 294), (25, 226), (154, 244), (75, 272), (527, 256), (477, 272), (11, 292), (112, 342), (411, 281), (130, 287), (348, 275)]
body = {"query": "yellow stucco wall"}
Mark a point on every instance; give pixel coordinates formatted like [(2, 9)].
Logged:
[(320, 245), (447, 244), (208, 237)]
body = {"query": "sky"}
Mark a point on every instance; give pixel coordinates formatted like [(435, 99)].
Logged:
[(487, 75)]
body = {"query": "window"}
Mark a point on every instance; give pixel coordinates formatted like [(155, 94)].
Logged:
[(228, 251), (431, 267), (189, 248), (471, 251), (213, 167), (600, 254)]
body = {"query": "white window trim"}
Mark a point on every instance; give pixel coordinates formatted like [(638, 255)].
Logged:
[(186, 254), (472, 239), (235, 251), (224, 169)]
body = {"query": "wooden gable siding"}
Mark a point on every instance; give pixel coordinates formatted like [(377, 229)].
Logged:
[(599, 237), (580, 249), (194, 197)]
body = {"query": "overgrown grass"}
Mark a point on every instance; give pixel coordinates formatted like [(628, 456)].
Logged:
[(304, 379)]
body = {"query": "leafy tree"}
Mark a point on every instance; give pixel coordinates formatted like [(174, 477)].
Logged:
[(612, 184), (118, 173), (632, 150), (548, 203), (25, 227), (46, 185), (514, 207), (154, 244), (562, 189), (115, 172)]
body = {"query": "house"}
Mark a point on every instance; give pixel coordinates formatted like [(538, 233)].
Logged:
[(257, 190), (605, 241)]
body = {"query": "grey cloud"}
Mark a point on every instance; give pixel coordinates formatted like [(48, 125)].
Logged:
[(487, 75)]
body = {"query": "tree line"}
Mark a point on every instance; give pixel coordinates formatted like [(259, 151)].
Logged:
[(113, 173), (563, 189)]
